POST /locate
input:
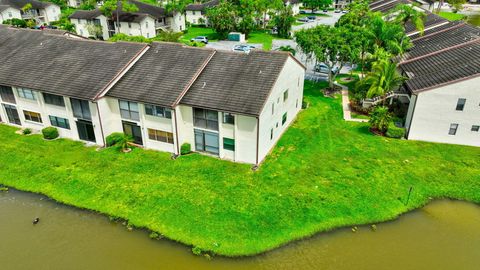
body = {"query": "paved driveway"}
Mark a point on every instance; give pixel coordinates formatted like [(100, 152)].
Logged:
[(226, 45), (331, 20)]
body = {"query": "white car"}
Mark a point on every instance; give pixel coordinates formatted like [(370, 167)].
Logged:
[(243, 48)]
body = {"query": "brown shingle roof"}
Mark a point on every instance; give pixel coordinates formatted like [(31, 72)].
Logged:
[(60, 65), (236, 82), (162, 74)]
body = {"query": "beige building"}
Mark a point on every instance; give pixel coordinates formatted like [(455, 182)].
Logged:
[(230, 105)]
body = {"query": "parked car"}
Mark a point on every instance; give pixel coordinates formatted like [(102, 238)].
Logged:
[(243, 48), (323, 68), (312, 18), (305, 19), (325, 10), (202, 39), (337, 11), (344, 11), (302, 12)]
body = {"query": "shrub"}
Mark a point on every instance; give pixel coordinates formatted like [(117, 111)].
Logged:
[(196, 250), (114, 138), (395, 132), (380, 118), (154, 235), (50, 133), (26, 131), (185, 149)]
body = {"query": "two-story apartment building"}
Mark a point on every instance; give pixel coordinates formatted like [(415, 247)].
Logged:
[(8, 13), (196, 13), (41, 12), (146, 22), (443, 71), (231, 105)]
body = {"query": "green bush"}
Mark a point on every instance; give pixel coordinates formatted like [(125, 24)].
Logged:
[(395, 132), (26, 131), (185, 149), (50, 133), (380, 118), (197, 250), (114, 138)]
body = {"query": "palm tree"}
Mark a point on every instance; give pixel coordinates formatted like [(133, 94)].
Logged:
[(380, 118), (407, 13), (389, 35), (382, 79)]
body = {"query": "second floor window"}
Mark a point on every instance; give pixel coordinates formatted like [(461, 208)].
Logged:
[(207, 119), (228, 118), (6, 94), (81, 109), (158, 111), (285, 95), (26, 93), (129, 110), (461, 104), (53, 100)]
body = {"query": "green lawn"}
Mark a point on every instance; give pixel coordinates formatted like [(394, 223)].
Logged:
[(194, 31), (324, 173), (264, 37), (451, 16)]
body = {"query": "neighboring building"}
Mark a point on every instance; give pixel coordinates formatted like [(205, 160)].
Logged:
[(41, 12), (295, 4), (443, 86), (231, 105), (8, 13), (195, 13), (146, 22), (341, 4), (74, 3)]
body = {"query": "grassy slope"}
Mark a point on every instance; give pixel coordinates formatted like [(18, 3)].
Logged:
[(324, 173), (194, 31), (451, 16)]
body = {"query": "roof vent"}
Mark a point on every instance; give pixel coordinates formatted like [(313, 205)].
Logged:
[(204, 84), (125, 51), (156, 51), (260, 72), (41, 43)]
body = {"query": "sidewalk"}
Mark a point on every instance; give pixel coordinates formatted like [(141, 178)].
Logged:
[(347, 113)]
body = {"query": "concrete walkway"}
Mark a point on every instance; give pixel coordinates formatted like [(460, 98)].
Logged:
[(347, 113)]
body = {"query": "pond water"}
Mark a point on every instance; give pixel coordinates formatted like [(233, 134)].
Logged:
[(443, 235)]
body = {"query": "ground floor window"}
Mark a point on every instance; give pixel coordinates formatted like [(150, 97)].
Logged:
[(229, 144), (475, 128), (59, 122), (32, 116), (161, 136), (453, 129), (206, 141), (284, 119)]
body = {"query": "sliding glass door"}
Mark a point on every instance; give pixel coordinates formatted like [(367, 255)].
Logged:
[(206, 142)]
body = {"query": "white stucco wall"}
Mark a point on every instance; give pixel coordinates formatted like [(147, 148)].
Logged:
[(291, 78), (193, 17), (112, 122), (74, 3), (51, 13), (82, 30), (244, 132), (435, 110), (177, 22), (145, 28), (10, 13), (45, 110)]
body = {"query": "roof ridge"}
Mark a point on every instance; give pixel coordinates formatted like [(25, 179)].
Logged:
[(438, 32), (195, 77), (441, 51)]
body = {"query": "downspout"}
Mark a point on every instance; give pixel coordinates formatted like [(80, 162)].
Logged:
[(413, 113), (101, 125), (258, 138), (176, 130)]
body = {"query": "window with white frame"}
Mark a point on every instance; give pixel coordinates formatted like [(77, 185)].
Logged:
[(228, 118), (161, 136), (129, 110), (158, 111), (59, 122), (32, 116), (26, 93), (453, 129)]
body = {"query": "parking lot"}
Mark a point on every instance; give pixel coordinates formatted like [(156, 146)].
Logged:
[(228, 45)]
